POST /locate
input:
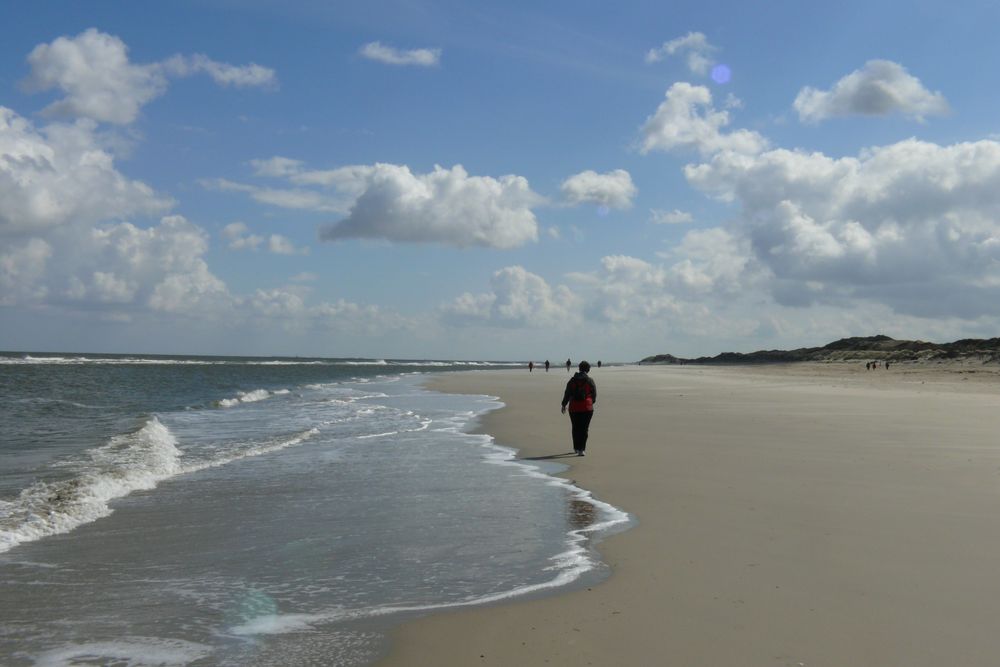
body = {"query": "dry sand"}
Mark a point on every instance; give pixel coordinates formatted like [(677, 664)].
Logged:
[(788, 515)]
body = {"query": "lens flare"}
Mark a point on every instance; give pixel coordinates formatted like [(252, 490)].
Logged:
[(721, 73)]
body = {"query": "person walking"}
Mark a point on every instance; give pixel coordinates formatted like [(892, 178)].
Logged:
[(546, 365), (531, 366), (580, 396), (568, 364)]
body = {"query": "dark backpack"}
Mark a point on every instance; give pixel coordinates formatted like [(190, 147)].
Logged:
[(579, 390)]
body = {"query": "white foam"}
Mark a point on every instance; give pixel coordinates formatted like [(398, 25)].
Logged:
[(238, 453), (127, 652), (277, 624), (130, 462), (250, 397)]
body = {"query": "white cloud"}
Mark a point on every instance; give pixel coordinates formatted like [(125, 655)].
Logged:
[(711, 261), (913, 225), (518, 298), (276, 167), (289, 307), (22, 271), (281, 245), (392, 56), (295, 198), (613, 189), (694, 44), (59, 175), (224, 74), (686, 120), (160, 268), (675, 217), (240, 238), (94, 72), (880, 88), (446, 206)]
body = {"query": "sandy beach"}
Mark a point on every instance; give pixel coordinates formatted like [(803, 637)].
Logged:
[(787, 515)]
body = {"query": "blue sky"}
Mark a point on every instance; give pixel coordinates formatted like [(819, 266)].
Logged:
[(496, 180)]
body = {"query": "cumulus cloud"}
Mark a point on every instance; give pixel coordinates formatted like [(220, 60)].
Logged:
[(687, 121), (389, 55), (694, 45), (161, 268), (913, 225), (22, 271), (99, 82), (446, 206), (289, 306), (239, 237), (709, 269), (518, 298), (675, 217), (613, 189), (60, 174), (879, 88)]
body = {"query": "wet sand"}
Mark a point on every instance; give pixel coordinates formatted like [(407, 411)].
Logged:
[(787, 515)]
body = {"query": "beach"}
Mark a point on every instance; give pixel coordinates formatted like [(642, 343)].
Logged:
[(808, 514)]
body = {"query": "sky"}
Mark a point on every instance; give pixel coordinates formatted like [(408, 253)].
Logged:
[(509, 181)]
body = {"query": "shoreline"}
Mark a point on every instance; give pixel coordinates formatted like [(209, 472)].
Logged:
[(812, 515)]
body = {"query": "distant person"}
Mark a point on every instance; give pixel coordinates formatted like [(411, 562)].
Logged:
[(546, 365), (886, 365), (568, 365), (598, 363), (580, 396), (531, 366)]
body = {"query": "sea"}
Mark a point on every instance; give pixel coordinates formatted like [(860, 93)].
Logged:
[(179, 510)]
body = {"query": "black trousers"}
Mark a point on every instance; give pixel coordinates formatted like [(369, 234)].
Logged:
[(581, 427)]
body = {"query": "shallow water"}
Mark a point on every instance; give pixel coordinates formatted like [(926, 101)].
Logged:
[(242, 513)]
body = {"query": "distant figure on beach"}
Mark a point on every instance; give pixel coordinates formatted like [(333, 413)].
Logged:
[(868, 365), (531, 366), (568, 364), (886, 365), (598, 363), (580, 396), (546, 365)]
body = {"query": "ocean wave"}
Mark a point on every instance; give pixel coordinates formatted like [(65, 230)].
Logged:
[(251, 397), (130, 462), (244, 451), (28, 359)]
